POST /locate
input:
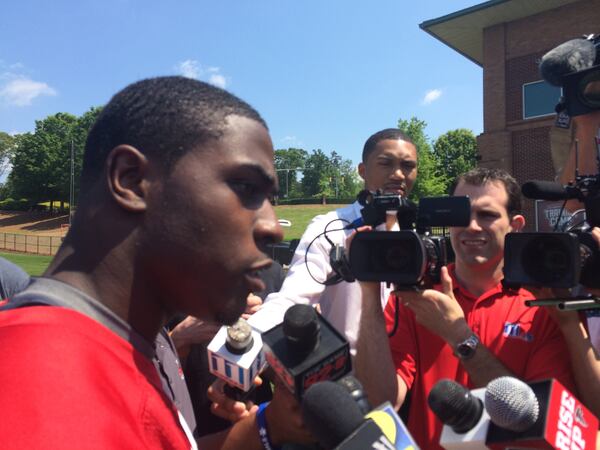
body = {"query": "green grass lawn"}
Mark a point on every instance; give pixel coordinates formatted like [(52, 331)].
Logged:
[(32, 264), (300, 216)]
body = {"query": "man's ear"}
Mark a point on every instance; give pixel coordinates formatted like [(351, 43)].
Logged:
[(361, 170), (127, 169), (517, 222)]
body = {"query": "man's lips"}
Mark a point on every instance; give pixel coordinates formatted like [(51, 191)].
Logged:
[(395, 188), (254, 282), (473, 242)]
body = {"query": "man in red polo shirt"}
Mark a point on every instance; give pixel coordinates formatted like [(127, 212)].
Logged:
[(469, 329)]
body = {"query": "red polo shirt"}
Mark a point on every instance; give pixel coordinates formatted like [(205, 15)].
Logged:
[(526, 340)]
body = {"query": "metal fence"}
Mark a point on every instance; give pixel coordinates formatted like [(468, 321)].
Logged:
[(26, 243)]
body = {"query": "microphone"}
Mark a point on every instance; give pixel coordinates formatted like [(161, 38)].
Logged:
[(511, 404), (461, 411), (235, 355), (336, 420), (572, 56), (305, 349), (541, 414), (548, 190), (355, 389)]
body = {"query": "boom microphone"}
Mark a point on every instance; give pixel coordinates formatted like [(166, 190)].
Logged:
[(548, 190), (572, 56)]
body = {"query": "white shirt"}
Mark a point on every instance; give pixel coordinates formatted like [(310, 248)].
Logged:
[(340, 303)]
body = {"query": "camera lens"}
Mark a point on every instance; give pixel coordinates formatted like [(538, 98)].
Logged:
[(546, 259)]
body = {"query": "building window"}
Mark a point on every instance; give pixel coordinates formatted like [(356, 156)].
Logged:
[(539, 99)]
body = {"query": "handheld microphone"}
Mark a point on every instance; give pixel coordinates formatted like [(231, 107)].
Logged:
[(461, 411), (305, 349), (548, 190), (235, 355), (336, 420), (572, 56), (355, 389), (552, 418)]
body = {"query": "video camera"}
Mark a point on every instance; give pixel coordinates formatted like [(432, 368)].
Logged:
[(575, 66), (564, 259), (557, 259), (411, 256)]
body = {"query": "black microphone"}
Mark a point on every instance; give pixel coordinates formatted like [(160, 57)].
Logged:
[(305, 349), (455, 406), (572, 56), (548, 190), (336, 420)]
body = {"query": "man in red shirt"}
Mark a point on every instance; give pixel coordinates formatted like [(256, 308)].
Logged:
[(174, 215), (469, 329)]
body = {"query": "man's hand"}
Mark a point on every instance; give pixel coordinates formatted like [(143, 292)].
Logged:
[(192, 331), (226, 407), (437, 311), (253, 304), (284, 418)]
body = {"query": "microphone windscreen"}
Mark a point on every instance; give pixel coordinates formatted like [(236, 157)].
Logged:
[(330, 413), (454, 405), (301, 327), (511, 404), (544, 190), (572, 56)]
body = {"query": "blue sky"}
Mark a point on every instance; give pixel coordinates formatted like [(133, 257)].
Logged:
[(323, 73)]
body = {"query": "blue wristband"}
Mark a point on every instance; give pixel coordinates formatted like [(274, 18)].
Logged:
[(261, 421)]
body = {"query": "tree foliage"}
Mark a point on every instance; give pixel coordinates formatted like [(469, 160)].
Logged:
[(455, 153), (42, 160), (429, 182)]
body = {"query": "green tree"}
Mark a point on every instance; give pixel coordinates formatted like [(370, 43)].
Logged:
[(8, 144), (42, 159), (455, 153), (429, 182), (288, 162)]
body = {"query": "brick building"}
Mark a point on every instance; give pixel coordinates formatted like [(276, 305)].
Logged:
[(507, 38)]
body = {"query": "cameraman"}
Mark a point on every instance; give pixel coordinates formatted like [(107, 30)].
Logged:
[(389, 162), (470, 328)]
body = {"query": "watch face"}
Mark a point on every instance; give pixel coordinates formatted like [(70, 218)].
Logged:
[(466, 349)]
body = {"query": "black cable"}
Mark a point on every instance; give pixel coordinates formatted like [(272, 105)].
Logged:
[(562, 208), (324, 233)]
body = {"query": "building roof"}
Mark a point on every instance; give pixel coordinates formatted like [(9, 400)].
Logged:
[(463, 30)]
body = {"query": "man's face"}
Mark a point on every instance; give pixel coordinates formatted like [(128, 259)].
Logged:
[(391, 166), (210, 222), (481, 244)]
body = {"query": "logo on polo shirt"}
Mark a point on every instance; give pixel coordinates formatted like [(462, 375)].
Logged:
[(514, 330)]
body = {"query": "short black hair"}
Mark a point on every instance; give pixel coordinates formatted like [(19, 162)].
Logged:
[(162, 116), (482, 175), (389, 133)]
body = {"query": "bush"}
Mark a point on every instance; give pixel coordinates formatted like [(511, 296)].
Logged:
[(11, 204), (314, 201)]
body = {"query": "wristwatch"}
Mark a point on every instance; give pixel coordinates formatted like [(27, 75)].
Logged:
[(466, 349)]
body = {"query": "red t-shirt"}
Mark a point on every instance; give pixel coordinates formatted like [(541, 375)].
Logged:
[(526, 340), (67, 381)]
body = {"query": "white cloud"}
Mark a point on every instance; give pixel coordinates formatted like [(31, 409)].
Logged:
[(191, 68), (22, 91), (290, 140), (218, 80), (431, 96)]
